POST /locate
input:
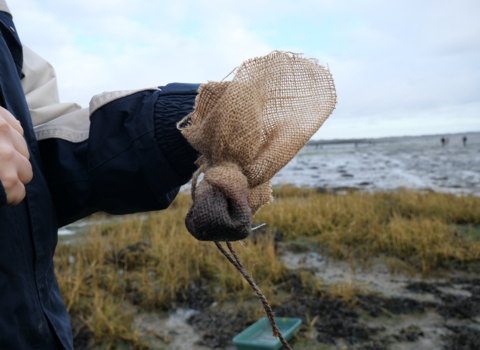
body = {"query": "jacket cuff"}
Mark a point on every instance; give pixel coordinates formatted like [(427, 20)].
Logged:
[(174, 103), (3, 195)]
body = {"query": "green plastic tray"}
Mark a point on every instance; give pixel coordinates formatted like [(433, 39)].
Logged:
[(259, 335)]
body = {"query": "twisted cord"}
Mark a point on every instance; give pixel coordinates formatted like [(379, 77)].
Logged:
[(268, 310)]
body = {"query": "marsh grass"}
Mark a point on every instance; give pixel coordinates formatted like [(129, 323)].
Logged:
[(143, 261), (420, 229)]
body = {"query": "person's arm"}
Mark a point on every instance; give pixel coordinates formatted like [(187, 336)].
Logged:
[(122, 155), (15, 169), (134, 159)]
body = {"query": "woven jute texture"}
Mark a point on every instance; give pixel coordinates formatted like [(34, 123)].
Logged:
[(247, 129)]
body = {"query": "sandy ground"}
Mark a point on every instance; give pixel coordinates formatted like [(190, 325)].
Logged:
[(170, 331)]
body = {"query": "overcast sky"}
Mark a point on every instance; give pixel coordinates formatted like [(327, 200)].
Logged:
[(400, 67)]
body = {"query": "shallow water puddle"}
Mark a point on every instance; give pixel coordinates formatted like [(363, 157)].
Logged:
[(170, 331)]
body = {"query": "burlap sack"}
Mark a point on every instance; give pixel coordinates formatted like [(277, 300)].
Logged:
[(247, 130)]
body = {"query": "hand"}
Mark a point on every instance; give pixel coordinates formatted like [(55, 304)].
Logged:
[(15, 167)]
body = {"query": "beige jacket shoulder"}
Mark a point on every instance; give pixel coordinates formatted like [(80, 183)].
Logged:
[(4, 7), (50, 117)]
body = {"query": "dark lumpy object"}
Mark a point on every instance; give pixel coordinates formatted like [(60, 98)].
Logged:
[(214, 216)]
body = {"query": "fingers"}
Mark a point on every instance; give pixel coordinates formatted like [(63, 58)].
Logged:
[(15, 193), (14, 188), (19, 143), (10, 119), (17, 131), (15, 172), (24, 170), (11, 135), (15, 167)]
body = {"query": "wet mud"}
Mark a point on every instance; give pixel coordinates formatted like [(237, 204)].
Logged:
[(410, 333), (218, 327), (196, 297), (333, 321), (131, 256), (373, 322), (336, 322), (453, 305), (377, 305), (391, 312), (462, 338), (82, 336)]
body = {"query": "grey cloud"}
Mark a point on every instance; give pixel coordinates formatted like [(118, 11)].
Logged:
[(394, 63)]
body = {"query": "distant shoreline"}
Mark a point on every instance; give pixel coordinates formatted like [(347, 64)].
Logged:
[(386, 139)]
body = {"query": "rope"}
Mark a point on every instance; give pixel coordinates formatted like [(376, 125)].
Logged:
[(268, 310)]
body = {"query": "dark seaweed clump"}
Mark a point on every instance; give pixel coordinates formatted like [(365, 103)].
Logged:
[(218, 326), (456, 306), (131, 256), (81, 336), (375, 305), (460, 306), (422, 287), (196, 296), (462, 338), (335, 319), (453, 306), (411, 334), (133, 294)]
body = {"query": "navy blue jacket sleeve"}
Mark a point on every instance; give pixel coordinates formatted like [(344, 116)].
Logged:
[(135, 159)]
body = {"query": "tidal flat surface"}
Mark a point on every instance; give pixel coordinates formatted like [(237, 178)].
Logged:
[(419, 163)]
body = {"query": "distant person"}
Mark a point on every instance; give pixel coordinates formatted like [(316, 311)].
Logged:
[(356, 144), (443, 141), (464, 139), (448, 140)]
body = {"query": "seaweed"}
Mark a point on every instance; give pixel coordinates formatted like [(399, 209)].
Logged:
[(410, 334), (453, 306), (131, 256), (196, 296), (462, 338), (82, 335), (375, 305), (212, 324)]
